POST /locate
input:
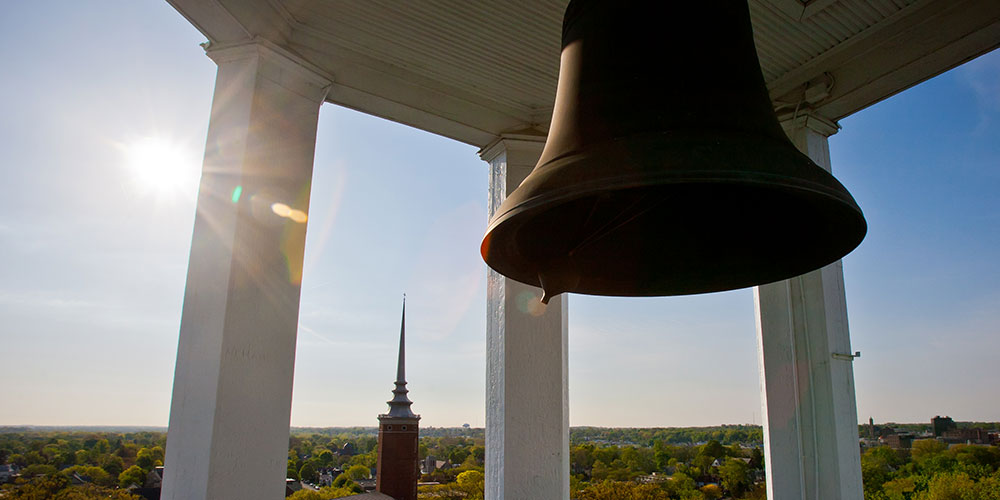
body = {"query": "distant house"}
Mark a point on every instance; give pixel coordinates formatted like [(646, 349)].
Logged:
[(366, 484), (940, 425), (155, 477), (151, 489), (901, 441), (348, 450), (291, 486), (7, 472), (328, 474), (971, 436), (719, 461), (78, 479), (432, 464), (868, 443), (653, 478)]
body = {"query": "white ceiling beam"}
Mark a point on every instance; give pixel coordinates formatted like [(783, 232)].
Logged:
[(917, 43)]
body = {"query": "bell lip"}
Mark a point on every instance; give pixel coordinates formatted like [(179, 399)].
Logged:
[(562, 196), (531, 277), (825, 183), (816, 184)]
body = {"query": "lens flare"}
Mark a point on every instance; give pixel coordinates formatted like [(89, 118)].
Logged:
[(298, 216), (288, 212), (281, 209), (530, 303)]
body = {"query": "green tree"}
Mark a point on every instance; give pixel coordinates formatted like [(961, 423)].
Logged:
[(144, 458), (343, 484), (305, 495), (622, 490), (735, 476), (458, 455), (96, 475), (479, 452), (606, 454), (950, 487), (680, 485), (639, 460), (366, 459), (132, 475), (711, 491), (473, 483), (113, 465), (102, 446), (357, 472), (308, 472), (713, 449), (877, 465), (975, 460), (756, 459), (703, 463), (924, 449), (599, 471), (93, 492), (341, 480), (899, 489)]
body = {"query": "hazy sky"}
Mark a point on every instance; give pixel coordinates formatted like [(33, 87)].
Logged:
[(94, 243)]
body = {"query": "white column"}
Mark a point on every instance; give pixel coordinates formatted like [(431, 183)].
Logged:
[(229, 415), (527, 405), (807, 378)]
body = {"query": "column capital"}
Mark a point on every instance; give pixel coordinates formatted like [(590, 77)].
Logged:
[(275, 64), (528, 142), (812, 121)]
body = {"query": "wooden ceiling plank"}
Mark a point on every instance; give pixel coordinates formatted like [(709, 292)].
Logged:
[(930, 48)]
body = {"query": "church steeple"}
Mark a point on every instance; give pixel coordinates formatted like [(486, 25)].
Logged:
[(398, 468), (399, 406)]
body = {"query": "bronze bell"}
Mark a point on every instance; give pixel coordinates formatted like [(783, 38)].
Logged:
[(665, 171)]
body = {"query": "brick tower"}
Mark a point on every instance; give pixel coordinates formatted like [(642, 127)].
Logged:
[(398, 467)]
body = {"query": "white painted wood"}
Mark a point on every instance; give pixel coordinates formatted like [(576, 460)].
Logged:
[(474, 70), (527, 399), (229, 414), (915, 43), (807, 394)]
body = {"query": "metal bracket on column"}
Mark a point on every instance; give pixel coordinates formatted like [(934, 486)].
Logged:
[(846, 357)]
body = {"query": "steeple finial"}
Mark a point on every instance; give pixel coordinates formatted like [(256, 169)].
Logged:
[(399, 406)]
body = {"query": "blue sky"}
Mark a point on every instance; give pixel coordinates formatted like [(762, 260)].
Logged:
[(95, 251)]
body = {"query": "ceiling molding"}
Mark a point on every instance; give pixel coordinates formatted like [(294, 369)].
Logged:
[(474, 70)]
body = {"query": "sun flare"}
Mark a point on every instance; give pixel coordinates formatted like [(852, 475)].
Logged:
[(159, 165)]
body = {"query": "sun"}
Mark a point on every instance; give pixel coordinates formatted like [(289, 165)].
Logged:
[(159, 165)]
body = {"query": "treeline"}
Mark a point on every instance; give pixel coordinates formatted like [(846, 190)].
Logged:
[(925, 428), (725, 434), (666, 471), (606, 464), (79, 465), (473, 432), (931, 470), (308, 454)]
